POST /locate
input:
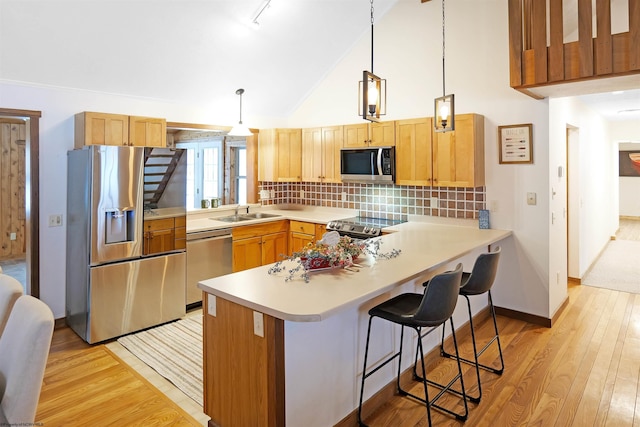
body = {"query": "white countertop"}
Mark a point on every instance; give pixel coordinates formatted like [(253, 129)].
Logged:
[(161, 213), (204, 219), (424, 246)]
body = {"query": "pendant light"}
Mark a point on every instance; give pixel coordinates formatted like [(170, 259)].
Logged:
[(240, 129), (372, 90), (444, 106)]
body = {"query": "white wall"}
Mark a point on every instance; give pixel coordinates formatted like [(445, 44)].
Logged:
[(408, 53)]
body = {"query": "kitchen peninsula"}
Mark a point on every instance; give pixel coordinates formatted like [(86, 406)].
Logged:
[(289, 353)]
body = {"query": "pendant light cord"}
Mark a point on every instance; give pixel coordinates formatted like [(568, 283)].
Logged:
[(443, 73), (372, 37)]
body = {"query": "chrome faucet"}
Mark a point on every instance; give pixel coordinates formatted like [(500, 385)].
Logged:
[(243, 207)]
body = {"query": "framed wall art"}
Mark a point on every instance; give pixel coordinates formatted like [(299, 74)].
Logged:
[(515, 143), (629, 163)]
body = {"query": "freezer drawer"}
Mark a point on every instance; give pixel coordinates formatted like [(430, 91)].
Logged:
[(129, 296)]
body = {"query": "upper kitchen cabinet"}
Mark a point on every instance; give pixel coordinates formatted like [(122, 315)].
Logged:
[(321, 154), (380, 134), (458, 156), (413, 151), (93, 128), (280, 155), (147, 131)]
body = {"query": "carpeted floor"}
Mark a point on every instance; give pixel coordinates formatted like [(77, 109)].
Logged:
[(618, 267), (174, 351)]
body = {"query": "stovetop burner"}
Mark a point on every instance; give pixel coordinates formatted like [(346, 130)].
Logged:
[(360, 227)]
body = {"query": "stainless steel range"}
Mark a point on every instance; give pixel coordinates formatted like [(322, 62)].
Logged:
[(360, 227)]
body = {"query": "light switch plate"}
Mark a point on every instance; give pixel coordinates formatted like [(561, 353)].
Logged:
[(531, 198)]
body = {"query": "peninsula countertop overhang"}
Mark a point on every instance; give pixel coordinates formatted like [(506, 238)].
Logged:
[(424, 247)]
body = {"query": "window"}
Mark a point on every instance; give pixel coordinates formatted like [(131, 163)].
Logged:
[(204, 171), (241, 175)]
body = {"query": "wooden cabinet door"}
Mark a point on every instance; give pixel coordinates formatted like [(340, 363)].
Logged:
[(147, 131), (355, 136), (101, 129), (274, 247), (289, 148), (413, 151), (320, 230), (267, 158), (331, 144), (382, 134), (159, 236), (458, 156), (297, 241), (247, 253), (312, 155)]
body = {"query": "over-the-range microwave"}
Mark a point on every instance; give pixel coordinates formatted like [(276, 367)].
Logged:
[(368, 165)]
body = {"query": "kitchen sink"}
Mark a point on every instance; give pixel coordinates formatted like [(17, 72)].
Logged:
[(259, 215), (233, 218)]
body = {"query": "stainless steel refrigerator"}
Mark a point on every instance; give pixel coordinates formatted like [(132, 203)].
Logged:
[(111, 287)]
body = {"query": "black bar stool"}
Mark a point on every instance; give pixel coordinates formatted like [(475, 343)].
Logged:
[(478, 282), (428, 310)]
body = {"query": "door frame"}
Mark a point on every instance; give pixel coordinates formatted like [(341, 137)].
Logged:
[(32, 194)]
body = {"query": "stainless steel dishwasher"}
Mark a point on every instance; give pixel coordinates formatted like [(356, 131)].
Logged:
[(208, 255)]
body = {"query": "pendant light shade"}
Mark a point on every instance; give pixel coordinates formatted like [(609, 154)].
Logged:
[(240, 129), (444, 105), (372, 90)]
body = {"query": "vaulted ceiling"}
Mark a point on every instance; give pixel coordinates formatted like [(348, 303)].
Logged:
[(185, 51)]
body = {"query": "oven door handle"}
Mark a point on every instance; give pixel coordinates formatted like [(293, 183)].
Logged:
[(379, 161)]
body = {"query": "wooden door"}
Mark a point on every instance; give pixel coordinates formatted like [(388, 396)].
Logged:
[(355, 136), (274, 247), (331, 144), (289, 148), (382, 134), (312, 155), (247, 253), (413, 151)]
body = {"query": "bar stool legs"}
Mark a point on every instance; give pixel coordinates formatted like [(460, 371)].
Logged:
[(419, 354), (477, 353)]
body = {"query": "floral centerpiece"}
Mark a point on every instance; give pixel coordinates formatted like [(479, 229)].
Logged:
[(327, 254), (332, 251)]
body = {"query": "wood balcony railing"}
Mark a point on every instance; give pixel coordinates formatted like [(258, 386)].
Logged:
[(534, 64)]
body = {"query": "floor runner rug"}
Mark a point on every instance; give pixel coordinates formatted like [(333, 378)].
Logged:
[(617, 268), (174, 351)]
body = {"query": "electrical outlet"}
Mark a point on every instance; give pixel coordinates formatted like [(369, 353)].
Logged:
[(273, 194), (55, 220), (258, 324), (434, 203), (13, 236), (343, 196), (211, 305), (302, 194)]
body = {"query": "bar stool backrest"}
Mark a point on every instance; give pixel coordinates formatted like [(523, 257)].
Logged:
[(440, 298), (483, 273)]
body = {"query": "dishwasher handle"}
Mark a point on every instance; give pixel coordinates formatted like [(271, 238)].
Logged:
[(224, 233)]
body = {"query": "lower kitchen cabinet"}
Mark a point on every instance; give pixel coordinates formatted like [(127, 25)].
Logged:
[(260, 244), (300, 233), (162, 235)]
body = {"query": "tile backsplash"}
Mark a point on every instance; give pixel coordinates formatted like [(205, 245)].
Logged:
[(381, 201)]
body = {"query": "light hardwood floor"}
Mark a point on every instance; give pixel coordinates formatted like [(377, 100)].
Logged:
[(582, 372)]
